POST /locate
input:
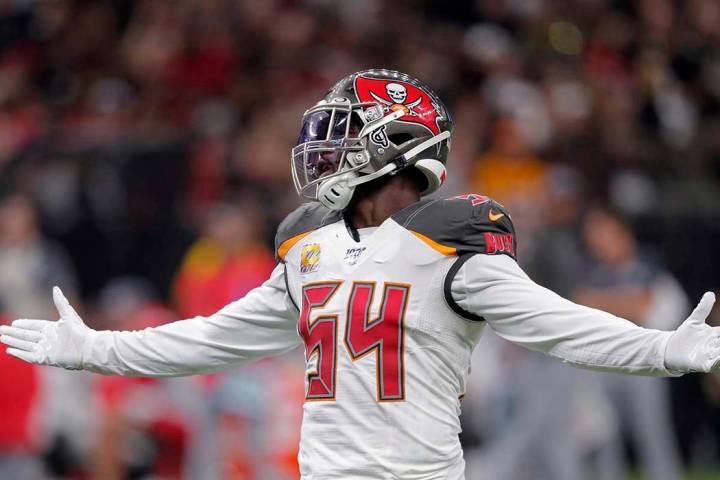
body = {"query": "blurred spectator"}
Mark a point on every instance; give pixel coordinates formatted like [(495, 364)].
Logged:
[(258, 410), (512, 173), (226, 262), (623, 281), (529, 427), (527, 419), (18, 392), (149, 427), (553, 253), (30, 264), (509, 170)]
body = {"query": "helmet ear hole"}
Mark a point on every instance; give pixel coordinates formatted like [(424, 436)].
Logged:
[(400, 138)]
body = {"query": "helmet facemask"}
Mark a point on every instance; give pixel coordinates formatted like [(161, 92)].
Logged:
[(329, 144)]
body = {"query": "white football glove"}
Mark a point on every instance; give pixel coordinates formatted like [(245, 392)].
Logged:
[(45, 342), (695, 346)]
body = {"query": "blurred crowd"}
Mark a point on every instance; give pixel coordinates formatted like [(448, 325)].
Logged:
[(144, 164)]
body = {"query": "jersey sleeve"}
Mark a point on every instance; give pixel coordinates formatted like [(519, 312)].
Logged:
[(521, 311), (261, 324)]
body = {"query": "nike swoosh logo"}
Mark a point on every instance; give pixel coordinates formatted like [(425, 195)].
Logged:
[(494, 217)]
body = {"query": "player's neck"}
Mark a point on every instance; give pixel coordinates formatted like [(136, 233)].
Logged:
[(374, 205)]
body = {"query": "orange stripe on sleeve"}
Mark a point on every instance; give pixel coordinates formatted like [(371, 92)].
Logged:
[(289, 243), (444, 249)]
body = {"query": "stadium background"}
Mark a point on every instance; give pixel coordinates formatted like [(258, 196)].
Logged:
[(144, 165)]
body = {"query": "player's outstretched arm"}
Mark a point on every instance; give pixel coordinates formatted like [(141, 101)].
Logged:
[(519, 310), (260, 324)]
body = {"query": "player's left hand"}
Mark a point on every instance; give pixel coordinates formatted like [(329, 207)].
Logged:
[(695, 346)]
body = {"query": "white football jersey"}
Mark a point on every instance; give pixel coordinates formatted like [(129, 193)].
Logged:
[(388, 320), (387, 358)]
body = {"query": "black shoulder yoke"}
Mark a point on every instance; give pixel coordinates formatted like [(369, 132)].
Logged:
[(467, 224), (462, 226), (301, 221)]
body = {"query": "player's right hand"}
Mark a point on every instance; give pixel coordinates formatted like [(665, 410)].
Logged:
[(44, 342)]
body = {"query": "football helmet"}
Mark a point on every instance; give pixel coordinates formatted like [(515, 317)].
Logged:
[(370, 124)]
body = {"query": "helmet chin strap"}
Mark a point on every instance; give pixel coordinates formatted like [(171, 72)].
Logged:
[(336, 192), (417, 149)]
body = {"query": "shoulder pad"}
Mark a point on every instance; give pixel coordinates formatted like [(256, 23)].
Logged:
[(465, 224), (299, 223)]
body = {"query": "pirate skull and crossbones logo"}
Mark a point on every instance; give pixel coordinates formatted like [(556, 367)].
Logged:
[(398, 95)]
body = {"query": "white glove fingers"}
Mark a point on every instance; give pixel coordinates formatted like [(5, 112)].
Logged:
[(18, 343), (23, 355), (30, 324), (21, 333), (702, 311), (67, 312)]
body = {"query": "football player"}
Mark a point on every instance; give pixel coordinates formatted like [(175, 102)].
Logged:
[(387, 292)]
